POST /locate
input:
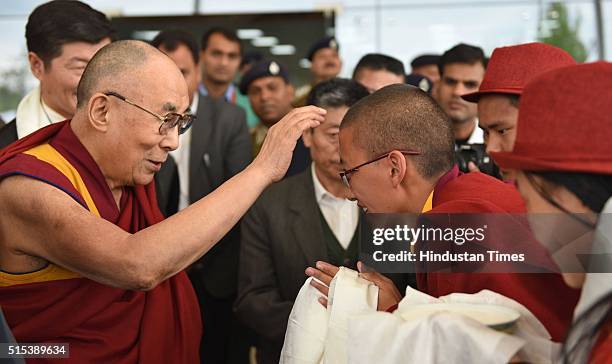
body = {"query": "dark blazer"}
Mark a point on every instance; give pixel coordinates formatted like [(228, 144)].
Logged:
[(220, 148), (8, 133), (282, 235)]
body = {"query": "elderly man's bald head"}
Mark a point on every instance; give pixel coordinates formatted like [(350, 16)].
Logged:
[(123, 133), (119, 62), (402, 117)]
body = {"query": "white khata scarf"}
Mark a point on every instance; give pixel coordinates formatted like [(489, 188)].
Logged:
[(32, 114)]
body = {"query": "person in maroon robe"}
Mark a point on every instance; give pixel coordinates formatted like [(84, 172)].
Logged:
[(85, 257), (402, 143)]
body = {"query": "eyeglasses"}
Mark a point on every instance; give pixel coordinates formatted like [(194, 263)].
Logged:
[(168, 122), (344, 175)]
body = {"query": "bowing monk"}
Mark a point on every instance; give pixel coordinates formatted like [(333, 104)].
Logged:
[(86, 257), (396, 147)]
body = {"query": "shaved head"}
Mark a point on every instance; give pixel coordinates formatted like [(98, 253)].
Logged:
[(118, 62), (402, 117), (125, 91)]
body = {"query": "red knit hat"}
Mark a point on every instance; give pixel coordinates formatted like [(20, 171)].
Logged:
[(565, 122), (510, 68)]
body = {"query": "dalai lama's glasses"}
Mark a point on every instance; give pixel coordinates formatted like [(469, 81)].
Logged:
[(168, 122), (344, 175)]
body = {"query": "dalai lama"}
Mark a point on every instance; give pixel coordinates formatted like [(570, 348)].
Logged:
[(85, 257)]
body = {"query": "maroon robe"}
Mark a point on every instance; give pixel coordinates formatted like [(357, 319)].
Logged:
[(102, 324), (544, 294)]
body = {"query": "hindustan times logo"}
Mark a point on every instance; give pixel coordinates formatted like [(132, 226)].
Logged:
[(459, 236)]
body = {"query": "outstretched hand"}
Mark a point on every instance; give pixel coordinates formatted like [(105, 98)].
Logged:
[(276, 152)]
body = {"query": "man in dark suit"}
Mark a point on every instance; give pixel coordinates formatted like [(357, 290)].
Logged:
[(216, 148), (295, 223), (61, 36)]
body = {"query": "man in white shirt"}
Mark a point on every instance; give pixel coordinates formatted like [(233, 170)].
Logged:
[(462, 69), (294, 223)]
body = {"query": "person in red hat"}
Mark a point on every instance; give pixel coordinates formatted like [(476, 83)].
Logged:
[(508, 71), (562, 160)]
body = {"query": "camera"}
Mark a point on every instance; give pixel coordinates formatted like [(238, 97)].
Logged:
[(476, 153)]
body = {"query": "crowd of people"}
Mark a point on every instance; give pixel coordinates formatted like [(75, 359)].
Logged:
[(164, 201)]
